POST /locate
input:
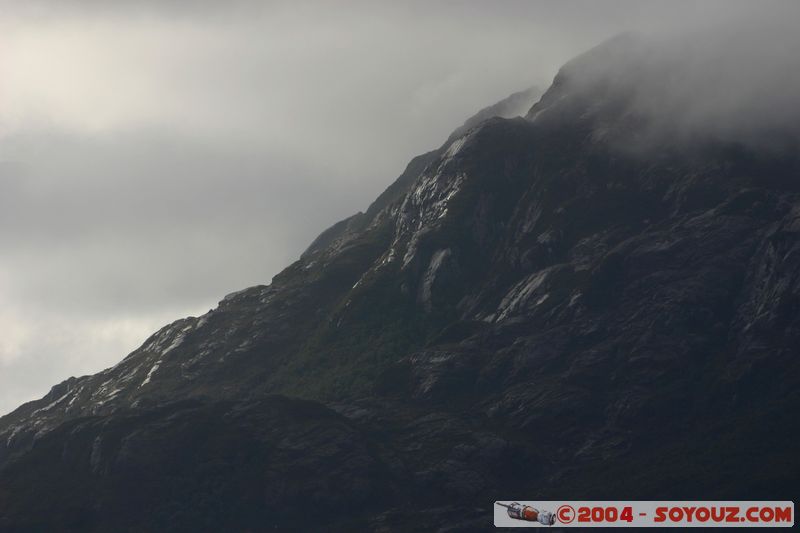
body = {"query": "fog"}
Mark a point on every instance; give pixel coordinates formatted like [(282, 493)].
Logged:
[(155, 156), (735, 83)]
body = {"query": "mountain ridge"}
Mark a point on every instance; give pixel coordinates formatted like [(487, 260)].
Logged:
[(171, 336), (533, 308)]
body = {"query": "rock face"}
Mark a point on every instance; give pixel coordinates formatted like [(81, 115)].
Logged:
[(533, 310)]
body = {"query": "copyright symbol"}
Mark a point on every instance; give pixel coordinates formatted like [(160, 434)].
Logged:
[(565, 514)]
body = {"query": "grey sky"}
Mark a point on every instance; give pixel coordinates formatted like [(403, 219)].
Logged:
[(156, 155)]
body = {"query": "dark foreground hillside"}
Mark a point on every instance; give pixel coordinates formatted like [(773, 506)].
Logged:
[(558, 305)]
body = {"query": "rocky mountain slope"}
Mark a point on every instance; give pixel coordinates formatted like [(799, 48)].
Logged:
[(558, 305)]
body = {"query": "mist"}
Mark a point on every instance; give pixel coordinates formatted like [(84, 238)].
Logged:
[(734, 83), (156, 156)]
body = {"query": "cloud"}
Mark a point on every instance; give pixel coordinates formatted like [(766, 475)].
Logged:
[(737, 82)]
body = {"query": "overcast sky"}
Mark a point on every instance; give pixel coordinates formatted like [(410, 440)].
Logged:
[(156, 155)]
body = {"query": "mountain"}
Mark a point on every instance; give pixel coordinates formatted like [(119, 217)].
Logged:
[(554, 305)]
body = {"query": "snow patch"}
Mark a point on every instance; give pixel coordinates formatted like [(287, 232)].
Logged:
[(14, 432), (574, 299), (520, 294), (52, 404), (177, 341), (244, 346), (130, 374), (150, 373), (202, 321), (75, 397), (430, 276), (423, 208), (455, 147)]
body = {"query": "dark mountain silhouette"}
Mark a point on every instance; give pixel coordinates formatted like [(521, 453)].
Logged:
[(534, 310)]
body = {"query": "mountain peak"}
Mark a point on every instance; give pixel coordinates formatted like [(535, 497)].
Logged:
[(527, 292)]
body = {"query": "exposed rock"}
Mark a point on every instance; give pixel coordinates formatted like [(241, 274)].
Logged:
[(529, 310)]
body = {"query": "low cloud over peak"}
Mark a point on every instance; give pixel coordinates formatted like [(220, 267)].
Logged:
[(738, 83)]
